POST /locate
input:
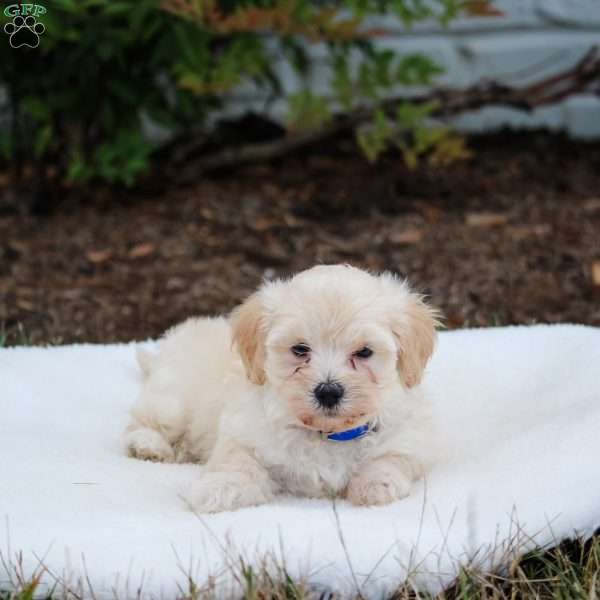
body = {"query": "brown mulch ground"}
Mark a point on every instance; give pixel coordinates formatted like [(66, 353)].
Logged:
[(113, 266)]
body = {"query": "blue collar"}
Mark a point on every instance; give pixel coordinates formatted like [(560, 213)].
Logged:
[(349, 434)]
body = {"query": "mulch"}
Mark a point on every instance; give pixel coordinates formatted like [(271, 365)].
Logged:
[(510, 236)]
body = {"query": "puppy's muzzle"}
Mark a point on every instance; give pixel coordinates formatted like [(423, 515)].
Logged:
[(329, 394)]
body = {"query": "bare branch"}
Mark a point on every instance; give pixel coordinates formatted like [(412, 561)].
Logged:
[(583, 77)]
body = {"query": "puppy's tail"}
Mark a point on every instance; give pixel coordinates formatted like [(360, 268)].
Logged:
[(146, 361)]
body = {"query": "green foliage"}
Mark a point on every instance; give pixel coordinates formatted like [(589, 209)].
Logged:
[(308, 110), (116, 161), (80, 98), (410, 131)]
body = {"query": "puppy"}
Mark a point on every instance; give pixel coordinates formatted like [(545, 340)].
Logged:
[(311, 388)]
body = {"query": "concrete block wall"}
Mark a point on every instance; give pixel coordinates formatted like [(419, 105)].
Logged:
[(533, 39)]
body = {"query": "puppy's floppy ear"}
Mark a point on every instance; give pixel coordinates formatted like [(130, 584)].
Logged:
[(414, 325), (248, 332)]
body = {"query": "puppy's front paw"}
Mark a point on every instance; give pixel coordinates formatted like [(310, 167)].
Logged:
[(377, 490), (221, 491)]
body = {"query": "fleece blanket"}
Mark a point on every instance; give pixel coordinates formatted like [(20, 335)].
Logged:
[(519, 406)]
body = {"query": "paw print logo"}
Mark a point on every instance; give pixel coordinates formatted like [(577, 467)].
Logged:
[(24, 31)]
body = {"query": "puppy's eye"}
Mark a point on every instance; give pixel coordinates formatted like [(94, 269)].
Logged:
[(300, 350), (364, 353)]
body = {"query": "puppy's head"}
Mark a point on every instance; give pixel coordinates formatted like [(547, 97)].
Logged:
[(332, 341)]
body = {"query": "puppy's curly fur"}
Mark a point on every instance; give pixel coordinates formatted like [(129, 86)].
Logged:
[(241, 395)]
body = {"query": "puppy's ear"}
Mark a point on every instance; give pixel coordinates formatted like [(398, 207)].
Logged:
[(248, 332), (414, 326)]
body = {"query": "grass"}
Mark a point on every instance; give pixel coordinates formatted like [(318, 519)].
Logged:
[(16, 336), (568, 571)]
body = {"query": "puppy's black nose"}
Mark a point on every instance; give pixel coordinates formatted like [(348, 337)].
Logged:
[(329, 394)]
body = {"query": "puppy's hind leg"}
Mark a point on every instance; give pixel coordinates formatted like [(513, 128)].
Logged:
[(146, 443), (158, 424), (158, 417)]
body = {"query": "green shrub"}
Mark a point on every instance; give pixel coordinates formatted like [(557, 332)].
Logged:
[(78, 98), (103, 67)]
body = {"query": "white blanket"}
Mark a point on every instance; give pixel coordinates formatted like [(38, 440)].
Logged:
[(520, 407)]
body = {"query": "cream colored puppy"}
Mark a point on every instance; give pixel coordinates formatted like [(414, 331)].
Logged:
[(312, 388)]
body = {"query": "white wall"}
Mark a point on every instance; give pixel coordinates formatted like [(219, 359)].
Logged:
[(534, 39)]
